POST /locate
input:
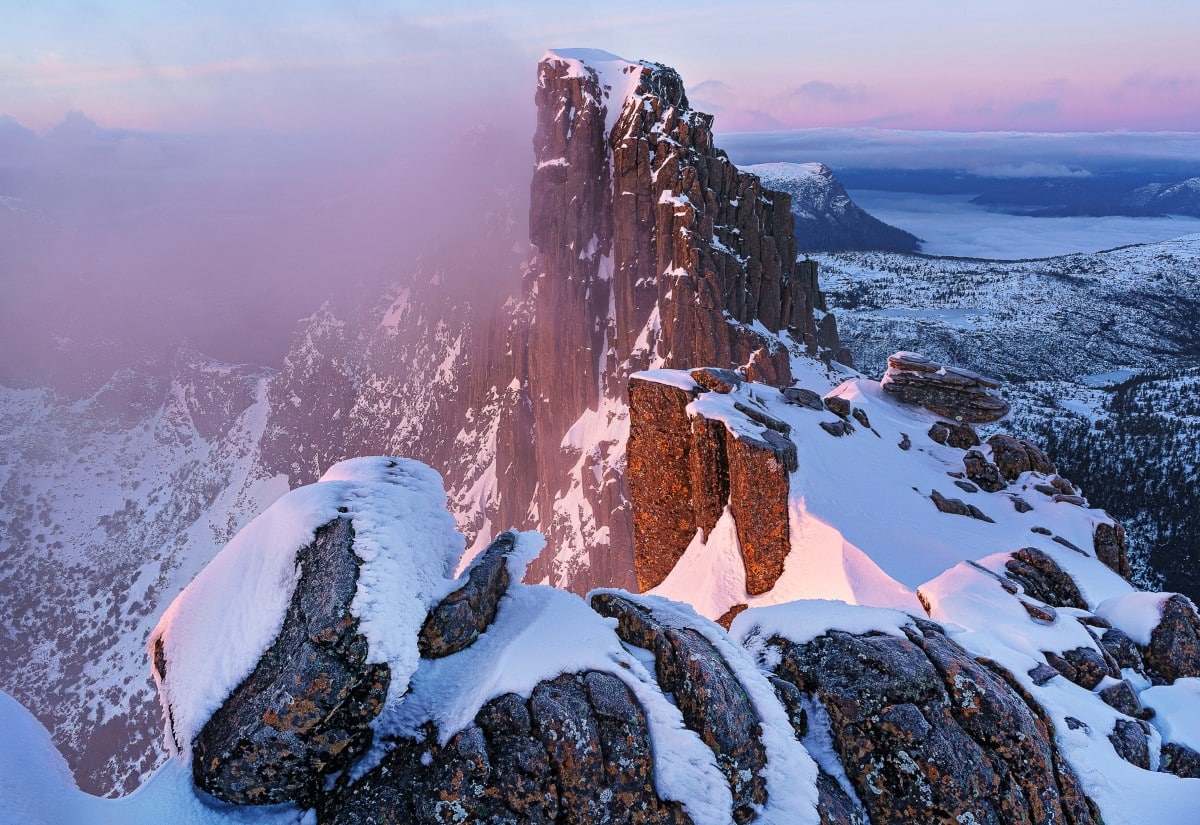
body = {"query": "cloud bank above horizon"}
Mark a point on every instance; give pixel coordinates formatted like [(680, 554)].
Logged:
[(1028, 66)]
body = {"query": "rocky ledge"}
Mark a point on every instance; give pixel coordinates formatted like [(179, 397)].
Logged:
[(955, 393)]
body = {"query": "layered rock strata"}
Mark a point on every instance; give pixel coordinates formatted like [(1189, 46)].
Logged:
[(958, 394)]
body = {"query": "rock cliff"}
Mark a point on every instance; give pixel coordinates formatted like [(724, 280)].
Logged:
[(649, 249), (652, 250)]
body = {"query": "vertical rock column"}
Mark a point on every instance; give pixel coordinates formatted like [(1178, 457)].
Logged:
[(684, 468)]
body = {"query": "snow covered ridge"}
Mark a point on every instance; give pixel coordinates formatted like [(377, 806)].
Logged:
[(327, 661), (881, 495), (891, 505), (212, 636)]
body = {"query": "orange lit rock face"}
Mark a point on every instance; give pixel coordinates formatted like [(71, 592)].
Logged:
[(684, 468)]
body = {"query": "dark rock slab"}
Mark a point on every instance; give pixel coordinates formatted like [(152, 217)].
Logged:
[(305, 710), (958, 507), (983, 472), (456, 622), (1043, 579), (1174, 649), (1121, 697), (718, 380), (1108, 541), (835, 806), (837, 428), (962, 436), (1123, 649), (709, 695), (1129, 739), (802, 397), (928, 734), (1179, 760), (837, 405), (957, 394), (1015, 456), (576, 751)]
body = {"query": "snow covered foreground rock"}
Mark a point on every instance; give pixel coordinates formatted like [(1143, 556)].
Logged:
[(1025, 699)]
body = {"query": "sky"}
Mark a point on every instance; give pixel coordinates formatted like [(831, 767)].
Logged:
[(214, 171), (1050, 65)]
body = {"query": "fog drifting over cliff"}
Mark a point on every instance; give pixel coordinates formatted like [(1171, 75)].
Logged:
[(119, 244)]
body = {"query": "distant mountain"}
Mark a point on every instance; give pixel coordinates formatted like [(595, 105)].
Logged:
[(1092, 196), (827, 220), (1181, 198)]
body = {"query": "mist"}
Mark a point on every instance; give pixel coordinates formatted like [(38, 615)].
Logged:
[(117, 245)]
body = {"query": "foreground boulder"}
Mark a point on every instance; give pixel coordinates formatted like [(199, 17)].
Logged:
[(306, 709), (928, 734), (576, 750), (710, 696), (393, 693)]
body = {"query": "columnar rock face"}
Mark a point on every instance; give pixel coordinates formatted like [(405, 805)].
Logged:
[(685, 467), (958, 394), (652, 250)]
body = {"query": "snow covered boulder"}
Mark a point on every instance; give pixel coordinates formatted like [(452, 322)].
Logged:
[(274, 662), (1174, 648), (712, 700), (924, 731)]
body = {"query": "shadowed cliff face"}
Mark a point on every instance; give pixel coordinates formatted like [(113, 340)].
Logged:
[(652, 250)]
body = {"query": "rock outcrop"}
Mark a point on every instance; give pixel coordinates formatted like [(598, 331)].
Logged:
[(1108, 542), (709, 695), (685, 468), (958, 394), (305, 710), (529, 705), (652, 250), (459, 618), (576, 750), (1015, 456), (928, 734), (1174, 649)]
